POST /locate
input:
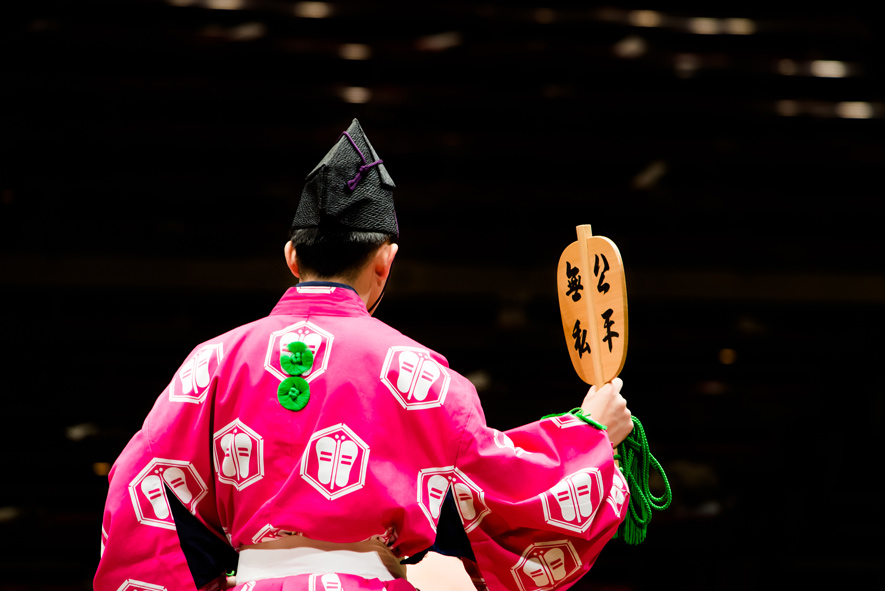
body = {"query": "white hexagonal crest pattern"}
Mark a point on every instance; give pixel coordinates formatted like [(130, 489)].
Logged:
[(315, 289), (238, 455), (414, 378), (133, 585), (567, 420), (335, 461), (619, 491), (192, 381), (433, 483), (317, 340), (572, 503), (503, 441), (148, 491), (268, 533), (545, 565), (326, 582)]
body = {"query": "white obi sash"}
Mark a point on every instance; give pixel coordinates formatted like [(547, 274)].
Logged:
[(255, 565)]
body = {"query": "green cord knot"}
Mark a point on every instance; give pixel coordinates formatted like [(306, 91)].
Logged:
[(293, 393), (299, 361), (636, 464)]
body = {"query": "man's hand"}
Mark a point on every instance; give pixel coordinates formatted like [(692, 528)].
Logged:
[(608, 407)]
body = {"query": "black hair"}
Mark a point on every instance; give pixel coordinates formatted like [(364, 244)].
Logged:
[(335, 253)]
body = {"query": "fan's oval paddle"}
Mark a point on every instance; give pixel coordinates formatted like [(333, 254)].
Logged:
[(593, 306)]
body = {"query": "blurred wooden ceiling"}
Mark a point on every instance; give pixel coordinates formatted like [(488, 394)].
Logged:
[(728, 138)]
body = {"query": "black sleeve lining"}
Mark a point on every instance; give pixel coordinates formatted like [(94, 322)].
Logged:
[(451, 539), (208, 557)]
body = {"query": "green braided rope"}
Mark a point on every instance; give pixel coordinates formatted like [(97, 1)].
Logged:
[(637, 463)]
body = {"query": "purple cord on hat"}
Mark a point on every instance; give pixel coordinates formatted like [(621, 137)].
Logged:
[(352, 183)]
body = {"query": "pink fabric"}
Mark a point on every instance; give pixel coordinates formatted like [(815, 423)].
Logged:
[(388, 429)]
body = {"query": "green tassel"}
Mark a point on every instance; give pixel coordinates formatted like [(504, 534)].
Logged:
[(636, 464)]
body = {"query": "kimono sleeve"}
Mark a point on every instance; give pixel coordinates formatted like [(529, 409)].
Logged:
[(167, 465), (538, 502)]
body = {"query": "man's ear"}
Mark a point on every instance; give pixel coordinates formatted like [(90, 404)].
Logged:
[(384, 261), (291, 259)]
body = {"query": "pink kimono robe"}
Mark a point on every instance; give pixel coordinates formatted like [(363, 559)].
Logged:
[(387, 431)]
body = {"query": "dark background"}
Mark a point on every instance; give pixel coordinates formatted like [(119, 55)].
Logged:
[(153, 154)]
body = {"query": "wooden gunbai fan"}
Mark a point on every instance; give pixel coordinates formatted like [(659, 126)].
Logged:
[(593, 306)]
